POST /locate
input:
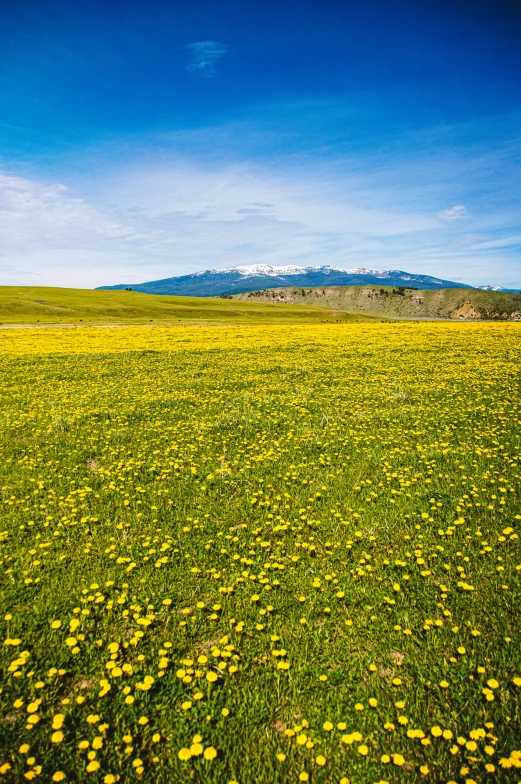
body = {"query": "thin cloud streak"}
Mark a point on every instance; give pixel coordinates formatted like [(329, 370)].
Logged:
[(185, 218), (456, 212), (204, 56)]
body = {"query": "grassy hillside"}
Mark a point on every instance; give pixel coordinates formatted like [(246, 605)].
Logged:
[(400, 303), (34, 304)]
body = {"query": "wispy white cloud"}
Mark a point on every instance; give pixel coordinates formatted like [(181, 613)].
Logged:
[(49, 236), (235, 194), (204, 56), (456, 212), (151, 223)]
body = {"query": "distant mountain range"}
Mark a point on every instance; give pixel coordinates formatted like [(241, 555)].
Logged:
[(257, 277)]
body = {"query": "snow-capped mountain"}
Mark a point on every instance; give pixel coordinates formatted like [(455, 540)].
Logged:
[(500, 289), (257, 277)]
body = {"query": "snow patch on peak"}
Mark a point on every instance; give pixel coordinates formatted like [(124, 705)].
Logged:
[(267, 269), (256, 270), (364, 271), (248, 270), (260, 269)]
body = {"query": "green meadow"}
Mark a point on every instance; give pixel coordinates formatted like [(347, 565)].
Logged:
[(243, 554), (41, 305)]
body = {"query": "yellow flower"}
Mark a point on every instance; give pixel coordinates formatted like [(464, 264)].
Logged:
[(320, 760), (210, 753), (93, 766), (57, 721), (57, 737), (59, 776), (184, 754), (363, 750)]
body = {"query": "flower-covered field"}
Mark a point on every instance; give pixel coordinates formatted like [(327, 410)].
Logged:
[(261, 554)]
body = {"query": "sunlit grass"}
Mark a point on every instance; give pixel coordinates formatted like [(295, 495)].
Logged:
[(40, 305)]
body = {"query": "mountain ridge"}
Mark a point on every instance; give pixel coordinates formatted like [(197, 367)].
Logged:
[(258, 277)]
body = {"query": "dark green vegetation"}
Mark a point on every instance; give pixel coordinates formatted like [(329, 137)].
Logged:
[(33, 304), (400, 302), (261, 555)]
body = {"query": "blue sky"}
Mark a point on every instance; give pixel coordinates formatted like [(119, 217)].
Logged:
[(140, 140)]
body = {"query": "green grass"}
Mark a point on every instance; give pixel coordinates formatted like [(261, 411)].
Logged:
[(341, 500), (40, 305), (391, 302)]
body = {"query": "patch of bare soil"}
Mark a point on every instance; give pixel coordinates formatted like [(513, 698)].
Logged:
[(467, 311)]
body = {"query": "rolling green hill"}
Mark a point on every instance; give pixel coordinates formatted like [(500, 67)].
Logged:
[(39, 305), (392, 302)]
